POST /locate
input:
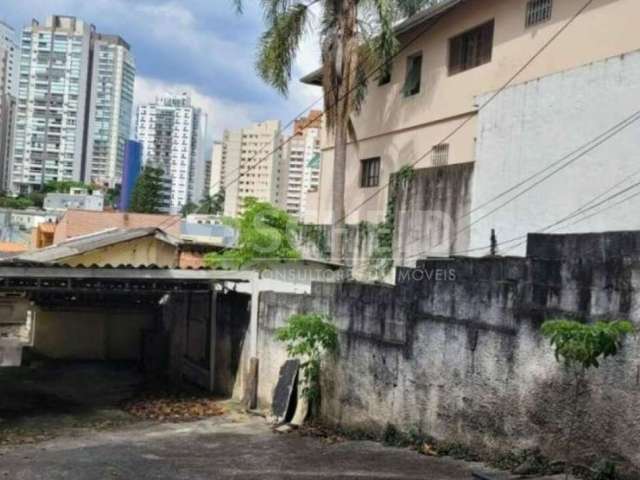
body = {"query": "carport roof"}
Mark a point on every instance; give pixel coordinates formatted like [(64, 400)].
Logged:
[(87, 243)]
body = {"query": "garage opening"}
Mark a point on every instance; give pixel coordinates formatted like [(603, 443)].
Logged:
[(108, 346)]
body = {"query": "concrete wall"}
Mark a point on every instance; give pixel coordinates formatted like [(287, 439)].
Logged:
[(432, 210), (536, 124), (88, 334), (455, 348)]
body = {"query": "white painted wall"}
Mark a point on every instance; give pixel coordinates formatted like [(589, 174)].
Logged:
[(532, 125)]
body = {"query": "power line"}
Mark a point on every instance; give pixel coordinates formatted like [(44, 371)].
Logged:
[(468, 119), (323, 113), (583, 209), (283, 144), (599, 140)]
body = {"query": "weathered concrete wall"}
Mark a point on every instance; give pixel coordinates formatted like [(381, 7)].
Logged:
[(531, 126), (455, 347), (232, 324), (431, 211)]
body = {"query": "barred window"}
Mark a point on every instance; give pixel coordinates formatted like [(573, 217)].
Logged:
[(471, 49), (538, 11), (441, 154), (370, 172)]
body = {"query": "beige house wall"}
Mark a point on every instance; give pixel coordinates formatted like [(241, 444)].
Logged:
[(140, 252), (90, 334), (402, 130)]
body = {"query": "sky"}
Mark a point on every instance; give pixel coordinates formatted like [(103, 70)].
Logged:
[(199, 46)]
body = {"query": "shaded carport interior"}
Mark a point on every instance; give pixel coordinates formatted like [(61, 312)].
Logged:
[(183, 326)]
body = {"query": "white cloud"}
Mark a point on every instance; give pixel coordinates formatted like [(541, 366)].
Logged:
[(221, 112)]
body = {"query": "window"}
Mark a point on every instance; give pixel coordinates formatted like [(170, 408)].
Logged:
[(370, 172), (538, 11), (441, 154), (471, 49), (414, 75)]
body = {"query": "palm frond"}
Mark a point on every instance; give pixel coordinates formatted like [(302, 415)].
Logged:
[(238, 5), (279, 44)]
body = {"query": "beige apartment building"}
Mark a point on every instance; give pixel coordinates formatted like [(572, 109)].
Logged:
[(250, 165), (454, 57), (301, 164)]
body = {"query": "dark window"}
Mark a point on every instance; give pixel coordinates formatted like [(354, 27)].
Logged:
[(441, 154), (370, 172), (471, 49), (538, 11), (414, 75)]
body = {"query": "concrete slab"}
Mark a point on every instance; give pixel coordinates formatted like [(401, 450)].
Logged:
[(233, 447), (10, 353)]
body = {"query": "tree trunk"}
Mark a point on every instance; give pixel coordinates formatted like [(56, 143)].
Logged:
[(347, 70), (339, 177)]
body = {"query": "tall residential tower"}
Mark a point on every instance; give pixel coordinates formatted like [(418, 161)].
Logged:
[(172, 133), (251, 165), (74, 104)]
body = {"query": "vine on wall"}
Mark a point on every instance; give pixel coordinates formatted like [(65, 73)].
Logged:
[(381, 261), (316, 235)]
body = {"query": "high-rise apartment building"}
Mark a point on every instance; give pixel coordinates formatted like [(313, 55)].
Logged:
[(111, 109), (172, 133), (216, 180), (9, 61), (301, 171), (74, 104), (8, 90), (251, 165)]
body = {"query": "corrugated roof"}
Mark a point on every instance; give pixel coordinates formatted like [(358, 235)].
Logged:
[(93, 241), (426, 15)]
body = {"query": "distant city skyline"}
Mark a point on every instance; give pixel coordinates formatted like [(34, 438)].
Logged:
[(195, 46)]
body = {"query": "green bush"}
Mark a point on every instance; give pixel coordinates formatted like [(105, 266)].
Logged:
[(309, 337)]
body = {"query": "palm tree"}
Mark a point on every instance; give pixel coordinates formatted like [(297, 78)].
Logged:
[(350, 53)]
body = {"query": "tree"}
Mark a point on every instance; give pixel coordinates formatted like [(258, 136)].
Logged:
[(147, 192), (188, 208), (65, 186), (309, 336), (265, 233), (581, 346), (349, 55), (212, 205)]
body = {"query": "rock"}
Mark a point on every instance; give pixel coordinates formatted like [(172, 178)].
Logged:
[(284, 429)]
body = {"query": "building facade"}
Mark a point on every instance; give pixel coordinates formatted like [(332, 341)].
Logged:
[(251, 165), (74, 102), (216, 181), (9, 52), (112, 84), (172, 133), (301, 171), (440, 107)]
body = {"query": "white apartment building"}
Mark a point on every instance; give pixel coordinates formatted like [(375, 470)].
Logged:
[(112, 81), (75, 95), (216, 182), (301, 171), (8, 90), (172, 133), (52, 102), (9, 66), (251, 165)]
